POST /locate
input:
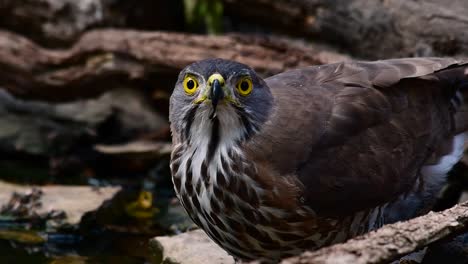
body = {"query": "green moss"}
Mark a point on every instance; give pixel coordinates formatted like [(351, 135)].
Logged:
[(207, 14), (25, 237)]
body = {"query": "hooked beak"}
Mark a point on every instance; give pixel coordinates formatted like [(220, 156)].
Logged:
[(216, 93)]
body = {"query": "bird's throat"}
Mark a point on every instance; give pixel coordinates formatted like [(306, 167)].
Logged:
[(214, 139)]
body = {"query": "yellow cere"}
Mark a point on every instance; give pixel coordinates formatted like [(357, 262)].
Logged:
[(227, 97), (244, 86), (190, 84), (216, 76)]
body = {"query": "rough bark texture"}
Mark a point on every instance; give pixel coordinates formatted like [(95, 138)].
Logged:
[(367, 28), (392, 241), (59, 22), (370, 29), (104, 59)]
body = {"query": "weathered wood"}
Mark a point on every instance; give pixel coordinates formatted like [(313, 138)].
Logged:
[(367, 28), (392, 241), (59, 22), (104, 59)]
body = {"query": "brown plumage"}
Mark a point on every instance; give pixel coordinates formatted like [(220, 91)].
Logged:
[(313, 156)]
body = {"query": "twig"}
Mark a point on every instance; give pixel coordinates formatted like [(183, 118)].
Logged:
[(392, 241)]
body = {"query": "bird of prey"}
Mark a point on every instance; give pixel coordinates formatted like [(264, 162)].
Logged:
[(313, 156)]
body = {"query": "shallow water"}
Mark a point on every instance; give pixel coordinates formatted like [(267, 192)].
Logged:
[(118, 232), (24, 246)]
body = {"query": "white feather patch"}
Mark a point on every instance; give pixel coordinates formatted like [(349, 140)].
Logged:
[(435, 174)]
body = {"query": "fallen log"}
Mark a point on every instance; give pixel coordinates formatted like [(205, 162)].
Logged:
[(55, 23), (392, 241), (366, 28), (104, 59)]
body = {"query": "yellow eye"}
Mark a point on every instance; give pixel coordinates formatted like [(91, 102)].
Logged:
[(190, 84), (244, 86)]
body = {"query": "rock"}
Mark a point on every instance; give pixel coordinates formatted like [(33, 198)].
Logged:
[(41, 128), (139, 148), (64, 135), (193, 247), (75, 201)]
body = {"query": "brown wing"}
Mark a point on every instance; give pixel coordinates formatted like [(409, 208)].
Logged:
[(355, 134)]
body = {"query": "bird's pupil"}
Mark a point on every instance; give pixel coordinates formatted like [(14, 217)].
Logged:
[(244, 86), (190, 84)]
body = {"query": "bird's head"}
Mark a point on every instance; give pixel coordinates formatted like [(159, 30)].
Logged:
[(218, 98)]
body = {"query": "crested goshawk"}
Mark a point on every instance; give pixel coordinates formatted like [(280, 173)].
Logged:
[(313, 156)]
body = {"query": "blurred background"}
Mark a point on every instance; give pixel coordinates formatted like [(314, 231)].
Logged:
[(84, 89)]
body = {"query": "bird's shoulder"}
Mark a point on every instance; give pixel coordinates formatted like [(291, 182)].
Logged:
[(327, 104), (382, 73), (349, 126)]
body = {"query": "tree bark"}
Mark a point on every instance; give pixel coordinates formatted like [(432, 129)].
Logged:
[(392, 241), (56, 23), (104, 59), (367, 28)]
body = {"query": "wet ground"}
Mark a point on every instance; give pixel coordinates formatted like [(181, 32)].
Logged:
[(24, 246), (118, 232)]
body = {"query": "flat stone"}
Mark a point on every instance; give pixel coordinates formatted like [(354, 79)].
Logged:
[(193, 247), (75, 201)]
